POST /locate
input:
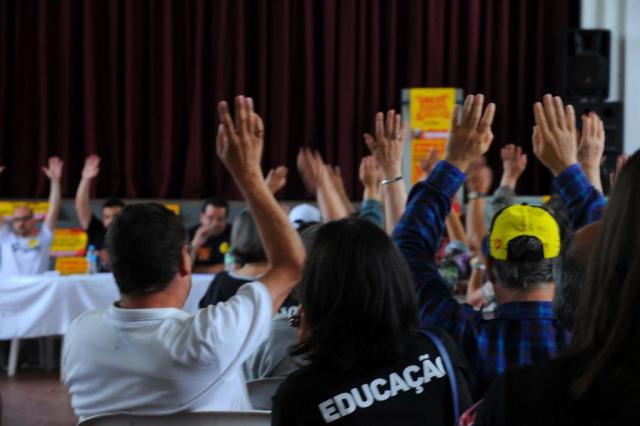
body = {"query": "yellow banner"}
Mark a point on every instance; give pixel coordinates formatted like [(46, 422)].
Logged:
[(429, 123), (39, 208), (69, 242), (71, 265)]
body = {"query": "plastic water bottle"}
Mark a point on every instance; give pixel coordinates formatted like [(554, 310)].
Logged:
[(92, 259), (229, 262)]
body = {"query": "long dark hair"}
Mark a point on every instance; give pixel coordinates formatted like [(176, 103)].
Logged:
[(607, 329), (358, 297)]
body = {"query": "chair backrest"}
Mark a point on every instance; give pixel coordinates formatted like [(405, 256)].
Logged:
[(218, 418), (261, 391)]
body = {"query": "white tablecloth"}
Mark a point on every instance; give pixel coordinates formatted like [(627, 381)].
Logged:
[(45, 305)]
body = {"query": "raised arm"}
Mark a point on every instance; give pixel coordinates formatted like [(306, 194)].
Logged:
[(338, 183), (239, 145), (554, 137), (371, 208), (514, 163), (591, 148), (386, 147), (420, 228), (83, 199), (276, 179), (479, 179), (54, 173)]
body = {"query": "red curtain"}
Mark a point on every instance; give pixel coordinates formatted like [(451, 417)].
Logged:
[(137, 81)]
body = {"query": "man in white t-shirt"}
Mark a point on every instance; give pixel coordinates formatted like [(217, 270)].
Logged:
[(24, 249), (144, 355)]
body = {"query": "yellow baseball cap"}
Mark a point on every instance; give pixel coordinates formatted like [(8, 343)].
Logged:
[(523, 220)]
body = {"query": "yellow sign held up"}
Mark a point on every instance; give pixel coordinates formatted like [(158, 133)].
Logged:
[(69, 242), (71, 265), (430, 112)]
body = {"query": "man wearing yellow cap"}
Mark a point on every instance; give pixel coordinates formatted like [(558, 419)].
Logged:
[(522, 244)]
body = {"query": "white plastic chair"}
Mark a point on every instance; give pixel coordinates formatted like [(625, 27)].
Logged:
[(218, 418), (262, 390)]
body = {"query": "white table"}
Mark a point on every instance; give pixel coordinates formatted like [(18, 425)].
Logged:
[(45, 305)]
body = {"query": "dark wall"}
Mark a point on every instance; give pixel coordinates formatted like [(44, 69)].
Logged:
[(137, 81)]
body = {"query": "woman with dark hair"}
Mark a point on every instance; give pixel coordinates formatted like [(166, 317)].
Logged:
[(247, 250), (367, 364), (597, 383)]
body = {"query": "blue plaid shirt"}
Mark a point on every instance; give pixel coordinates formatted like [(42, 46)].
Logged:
[(522, 332)]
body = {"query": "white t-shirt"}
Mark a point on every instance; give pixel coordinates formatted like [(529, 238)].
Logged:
[(24, 256), (160, 361)]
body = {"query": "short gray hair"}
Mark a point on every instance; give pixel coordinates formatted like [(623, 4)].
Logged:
[(523, 275)]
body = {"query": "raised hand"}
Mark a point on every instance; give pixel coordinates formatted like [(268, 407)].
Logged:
[(591, 148), (91, 167), (240, 141), (387, 145), (592, 140), (479, 177), (54, 169), (336, 178), (307, 170), (554, 135), (428, 163), (514, 163), (277, 178), (471, 134), (369, 173)]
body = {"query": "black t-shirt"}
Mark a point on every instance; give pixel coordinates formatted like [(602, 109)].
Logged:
[(225, 284), (213, 250), (96, 232), (413, 390), (540, 394)]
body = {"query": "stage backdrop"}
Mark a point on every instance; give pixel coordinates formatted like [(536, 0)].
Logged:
[(137, 81)]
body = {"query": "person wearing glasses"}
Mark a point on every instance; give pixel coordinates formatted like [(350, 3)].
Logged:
[(24, 248)]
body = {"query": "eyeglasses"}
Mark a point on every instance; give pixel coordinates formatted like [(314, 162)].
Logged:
[(22, 219)]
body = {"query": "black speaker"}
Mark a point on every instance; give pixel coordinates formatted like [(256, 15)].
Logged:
[(586, 64), (611, 115)]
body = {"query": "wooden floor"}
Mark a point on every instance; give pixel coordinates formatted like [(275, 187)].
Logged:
[(35, 398)]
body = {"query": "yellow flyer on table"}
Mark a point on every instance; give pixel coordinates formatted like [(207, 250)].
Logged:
[(69, 242), (71, 265), (429, 114)]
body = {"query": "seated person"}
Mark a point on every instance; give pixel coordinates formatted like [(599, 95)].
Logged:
[(210, 238), (366, 361), (248, 253), (596, 381), (24, 249), (96, 228), (273, 358), (144, 355)]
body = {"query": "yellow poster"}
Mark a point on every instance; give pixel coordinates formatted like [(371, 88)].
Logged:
[(71, 265), (430, 112), (69, 242), (39, 208)]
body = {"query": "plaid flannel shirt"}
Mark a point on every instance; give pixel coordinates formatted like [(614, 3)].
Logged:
[(522, 332)]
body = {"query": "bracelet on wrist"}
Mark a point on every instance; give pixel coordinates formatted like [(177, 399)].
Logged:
[(390, 180), (475, 195)]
